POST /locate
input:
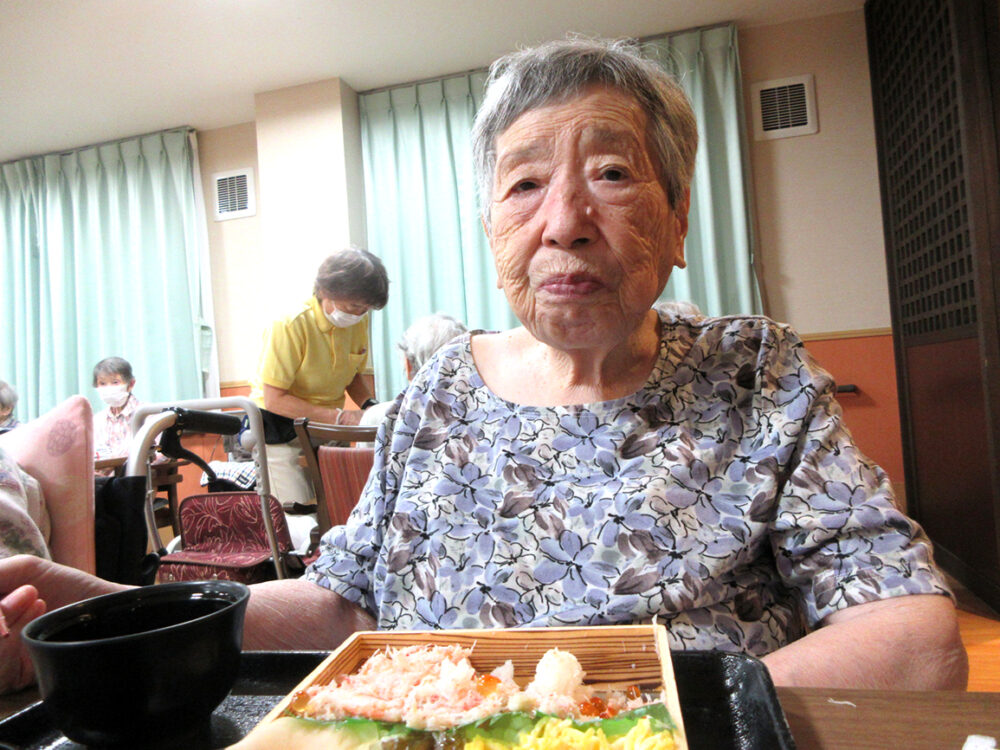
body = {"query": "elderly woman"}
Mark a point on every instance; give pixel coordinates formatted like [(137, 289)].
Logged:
[(312, 358), (605, 463)]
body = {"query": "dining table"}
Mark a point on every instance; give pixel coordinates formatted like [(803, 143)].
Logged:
[(825, 719), (839, 719)]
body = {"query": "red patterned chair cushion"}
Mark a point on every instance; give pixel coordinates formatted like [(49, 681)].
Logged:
[(223, 536), (229, 522)]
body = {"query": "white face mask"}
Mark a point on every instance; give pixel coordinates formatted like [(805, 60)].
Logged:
[(113, 395), (342, 319)]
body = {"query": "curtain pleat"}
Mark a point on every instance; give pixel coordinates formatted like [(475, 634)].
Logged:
[(719, 277), (104, 253), (423, 217)]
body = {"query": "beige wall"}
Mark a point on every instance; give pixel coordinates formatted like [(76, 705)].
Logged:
[(305, 146), (235, 252), (819, 219)]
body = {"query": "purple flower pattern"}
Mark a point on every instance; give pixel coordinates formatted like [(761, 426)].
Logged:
[(724, 497)]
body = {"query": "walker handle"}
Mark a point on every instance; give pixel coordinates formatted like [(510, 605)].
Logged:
[(214, 422)]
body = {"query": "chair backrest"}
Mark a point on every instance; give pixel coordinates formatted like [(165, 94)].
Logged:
[(344, 471), (347, 467), (231, 522)]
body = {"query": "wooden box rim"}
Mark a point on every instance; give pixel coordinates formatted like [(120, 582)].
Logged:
[(610, 655)]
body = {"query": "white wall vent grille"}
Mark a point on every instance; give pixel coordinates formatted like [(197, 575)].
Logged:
[(784, 108), (234, 194)]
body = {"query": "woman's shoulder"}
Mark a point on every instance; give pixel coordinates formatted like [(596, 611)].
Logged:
[(745, 327), (728, 343), (447, 360)]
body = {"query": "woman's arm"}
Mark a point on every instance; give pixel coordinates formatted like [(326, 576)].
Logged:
[(284, 403), (359, 392), (903, 643), (297, 615), (358, 389), (28, 587)]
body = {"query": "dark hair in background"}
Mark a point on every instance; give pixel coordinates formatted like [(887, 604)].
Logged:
[(356, 274)]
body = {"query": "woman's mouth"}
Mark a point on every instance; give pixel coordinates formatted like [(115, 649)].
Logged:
[(571, 285)]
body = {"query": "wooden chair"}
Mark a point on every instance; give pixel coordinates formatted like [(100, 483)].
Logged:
[(338, 468)]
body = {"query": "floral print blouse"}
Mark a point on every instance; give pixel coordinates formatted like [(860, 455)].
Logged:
[(725, 497)]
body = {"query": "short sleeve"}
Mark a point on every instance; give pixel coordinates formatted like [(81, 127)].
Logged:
[(280, 357), (838, 536)]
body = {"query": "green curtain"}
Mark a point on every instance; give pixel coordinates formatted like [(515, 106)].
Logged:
[(423, 218), (104, 251), (720, 275)]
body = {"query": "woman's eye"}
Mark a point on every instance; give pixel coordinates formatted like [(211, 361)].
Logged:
[(524, 186), (613, 174)]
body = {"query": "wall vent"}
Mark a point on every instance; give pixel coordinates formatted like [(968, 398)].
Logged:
[(784, 108), (234, 194)]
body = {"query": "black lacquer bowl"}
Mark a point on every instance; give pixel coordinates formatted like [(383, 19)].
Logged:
[(146, 663)]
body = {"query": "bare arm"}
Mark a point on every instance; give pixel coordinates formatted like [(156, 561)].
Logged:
[(297, 614), (903, 643), (284, 403), (358, 390), (28, 587)]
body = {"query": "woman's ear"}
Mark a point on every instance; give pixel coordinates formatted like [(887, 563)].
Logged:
[(489, 238), (681, 219)]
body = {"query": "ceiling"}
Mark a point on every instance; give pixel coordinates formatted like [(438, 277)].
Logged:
[(78, 72)]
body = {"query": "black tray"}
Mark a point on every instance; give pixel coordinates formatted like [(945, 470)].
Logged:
[(728, 702)]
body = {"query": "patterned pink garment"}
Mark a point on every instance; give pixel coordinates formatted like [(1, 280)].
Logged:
[(111, 431)]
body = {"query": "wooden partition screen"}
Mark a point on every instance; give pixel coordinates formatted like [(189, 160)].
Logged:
[(934, 68)]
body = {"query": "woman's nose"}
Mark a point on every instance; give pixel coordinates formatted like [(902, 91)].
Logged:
[(568, 215)]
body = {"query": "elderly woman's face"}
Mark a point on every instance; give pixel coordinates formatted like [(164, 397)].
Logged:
[(582, 234)]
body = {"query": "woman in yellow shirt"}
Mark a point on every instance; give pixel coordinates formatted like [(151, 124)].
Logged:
[(313, 357)]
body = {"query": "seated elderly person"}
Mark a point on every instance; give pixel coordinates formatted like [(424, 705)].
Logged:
[(424, 337), (600, 464)]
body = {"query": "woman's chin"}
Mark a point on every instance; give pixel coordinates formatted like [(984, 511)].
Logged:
[(578, 330)]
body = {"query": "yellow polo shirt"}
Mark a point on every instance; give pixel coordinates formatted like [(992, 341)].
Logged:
[(311, 358)]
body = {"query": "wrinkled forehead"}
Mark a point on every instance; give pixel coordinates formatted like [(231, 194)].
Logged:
[(599, 117)]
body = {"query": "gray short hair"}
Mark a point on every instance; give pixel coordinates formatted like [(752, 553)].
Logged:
[(113, 366), (8, 396), (353, 273), (560, 70), (428, 334)]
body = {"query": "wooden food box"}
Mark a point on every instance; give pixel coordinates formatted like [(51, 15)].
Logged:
[(612, 656)]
